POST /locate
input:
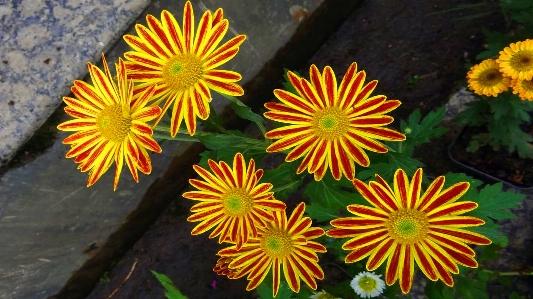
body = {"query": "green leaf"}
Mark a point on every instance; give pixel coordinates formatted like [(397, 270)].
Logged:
[(284, 179), (265, 291), (490, 230), (245, 112), (214, 121), (329, 193), (320, 213), (172, 291), (495, 204), (469, 288), (438, 290), (420, 131)]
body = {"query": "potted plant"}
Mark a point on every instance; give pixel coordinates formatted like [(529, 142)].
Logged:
[(496, 139)]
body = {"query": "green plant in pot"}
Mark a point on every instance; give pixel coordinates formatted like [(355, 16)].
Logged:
[(499, 122)]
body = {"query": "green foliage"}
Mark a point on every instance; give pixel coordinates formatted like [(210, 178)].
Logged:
[(493, 204), (417, 131), (265, 290), (503, 117), (245, 112), (328, 197), (171, 291), (285, 178)]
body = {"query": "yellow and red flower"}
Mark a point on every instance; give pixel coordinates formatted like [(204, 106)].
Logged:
[(485, 78), (281, 242), (232, 200), (516, 61), (328, 125), (405, 228), (182, 64), (110, 126), (524, 88), (222, 268)]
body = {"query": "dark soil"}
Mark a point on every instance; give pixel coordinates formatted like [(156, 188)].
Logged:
[(417, 51), (501, 165)]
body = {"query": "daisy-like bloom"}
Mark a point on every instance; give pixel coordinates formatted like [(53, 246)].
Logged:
[(328, 125), (322, 295), (516, 61), (110, 126), (485, 78), (232, 200), (281, 242), (368, 285), (524, 88), (406, 228), (182, 63), (222, 268)]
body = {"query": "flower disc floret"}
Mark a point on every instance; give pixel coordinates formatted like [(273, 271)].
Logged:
[(485, 78), (111, 126), (283, 242), (182, 63), (232, 201), (404, 228), (330, 126), (516, 61)]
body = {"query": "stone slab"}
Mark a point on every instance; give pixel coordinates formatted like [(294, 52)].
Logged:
[(49, 221), (44, 46)]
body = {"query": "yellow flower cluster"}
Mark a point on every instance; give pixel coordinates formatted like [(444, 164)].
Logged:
[(513, 68)]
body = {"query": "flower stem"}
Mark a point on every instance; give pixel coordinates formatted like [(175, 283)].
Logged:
[(511, 273)]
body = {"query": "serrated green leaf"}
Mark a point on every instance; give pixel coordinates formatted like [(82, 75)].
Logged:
[(490, 230), (284, 176), (495, 204), (172, 291), (419, 131), (328, 193)]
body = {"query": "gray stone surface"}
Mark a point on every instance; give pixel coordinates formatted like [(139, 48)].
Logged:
[(48, 218), (44, 46)]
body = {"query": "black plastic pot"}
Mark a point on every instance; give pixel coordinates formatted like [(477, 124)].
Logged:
[(478, 172)]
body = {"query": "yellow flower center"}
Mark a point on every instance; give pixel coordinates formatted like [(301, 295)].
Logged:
[(114, 122), (237, 202), (331, 123), (368, 284), (490, 77), (522, 61), (182, 71), (277, 243), (527, 85), (408, 226)]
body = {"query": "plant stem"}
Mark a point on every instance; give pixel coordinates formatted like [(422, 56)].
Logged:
[(511, 273)]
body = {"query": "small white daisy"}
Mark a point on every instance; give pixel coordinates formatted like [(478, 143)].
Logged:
[(368, 285), (322, 295)]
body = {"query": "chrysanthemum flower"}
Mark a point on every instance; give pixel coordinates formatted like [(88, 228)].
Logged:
[(485, 78), (232, 200), (368, 285), (331, 126), (322, 295), (222, 268), (281, 242), (405, 227), (110, 126), (524, 88), (516, 61), (182, 63)]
